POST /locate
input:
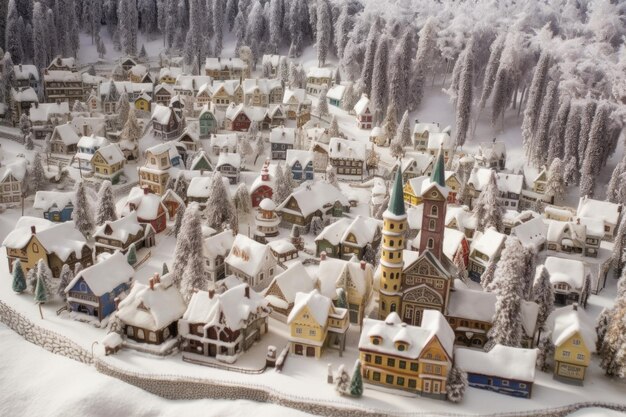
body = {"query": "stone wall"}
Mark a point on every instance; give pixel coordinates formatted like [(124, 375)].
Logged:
[(47, 339), (187, 388)]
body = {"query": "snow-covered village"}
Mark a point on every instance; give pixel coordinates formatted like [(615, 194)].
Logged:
[(313, 207)]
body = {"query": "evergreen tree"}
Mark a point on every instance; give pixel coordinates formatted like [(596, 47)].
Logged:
[(403, 133), (324, 31), (619, 246), (19, 281), (259, 148), (534, 101), (275, 24), (123, 108), (178, 219), (612, 189), (380, 79), (131, 256), (322, 104), (601, 327), (543, 295), (456, 385), (395, 149), (37, 175), (367, 70), (399, 72), (181, 186), (51, 32), (42, 291), (282, 73), (14, 34), (242, 200), (218, 207), (496, 48), (541, 143), (164, 270), (556, 148), (82, 213), (40, 37), (350, 98), (333, 129), (188, 260), (555, 185), (488, 275), (464, 96), (131, 130), (106, 204), (342, 29), (586, 118), (613, 351), (231, 13), (545, 352), (29, 144), (128, 24), (356, 384), (65, 278), (593, 162), (571, 171), (425, 51), (390, 124), (31, 279), (487, 210), (218, 25)]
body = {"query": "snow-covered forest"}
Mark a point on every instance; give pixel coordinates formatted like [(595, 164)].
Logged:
[(561, 63)]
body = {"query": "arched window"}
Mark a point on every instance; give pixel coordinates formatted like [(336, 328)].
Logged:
[(431, 243), (434, 211), (432, 224), (393, 307)]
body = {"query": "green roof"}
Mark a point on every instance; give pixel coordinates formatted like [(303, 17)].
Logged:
[(439, 174), (396, 202)]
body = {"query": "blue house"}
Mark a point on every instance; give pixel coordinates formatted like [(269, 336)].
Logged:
[(505, 370), (301, 163), (93, 290), (57, 206), (207, 122), (335, 95), (87, 147)]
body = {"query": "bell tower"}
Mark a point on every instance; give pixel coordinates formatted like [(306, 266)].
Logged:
[(434, 197), (393, 243)]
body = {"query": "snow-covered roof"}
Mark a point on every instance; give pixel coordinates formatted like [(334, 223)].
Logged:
[(228, 158), (224, 140), (163, 86), (218, 245), (510, 183), (146, 205), (43, 111), (66, 133), (319, 306), (272, 60), (92, 142), (17, 169), (605, 210), (298, 94), (481, 306), (248, 255), (317, 72), (489, 243), (299, 155), (106, 275), (24, 95), (138, 70), (282, 134), (336, 92), (223, 63), (557, 230), (420, 128), (331, 274), (593, 226), (393, 330), (334, 231), (112, 154), (45, 200), (191, 82), (314, 196), (565, 322), (232, 306), (362, 106), (162, 114), (119, 229), (293, 280), (258, 181), (532, 233), (128, 86), (171, 72), (62, 76), (152, 308), (265, 85), (96, 124), (267, 204), (438, 140), (25, 71), (363, 229), (346, 149), (501, 361), (492, 150), (63, 62), (569, 271), (452, 240)]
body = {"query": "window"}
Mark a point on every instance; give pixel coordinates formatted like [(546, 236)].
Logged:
[(576, 342), (312, 332), (522, 385), (402, 364), (432, 224), (391, 362), (431, 243), (378, 360), (505, 383), (566, 354), (152, 337), (376, 376), (412, 383), (35, 248), (298, 330), (433, 211), (393, 308), (389, 379), (140, 334), (401, 347), (375, 341), (580, 357), (400, 381), (368, 357), (130, 331)]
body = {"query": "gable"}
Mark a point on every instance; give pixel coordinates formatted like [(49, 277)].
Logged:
[(426, 268), (434, 194), (434, 351), (305, 317), (98, 159)]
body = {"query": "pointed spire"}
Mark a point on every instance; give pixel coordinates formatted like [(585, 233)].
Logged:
[(439, 174), (396, 202)]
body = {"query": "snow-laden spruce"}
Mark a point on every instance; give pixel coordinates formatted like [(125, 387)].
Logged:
[(487, 208), (82, 214), (106, 204)]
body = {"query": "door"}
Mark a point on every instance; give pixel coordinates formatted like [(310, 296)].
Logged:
[(560, 298), (212, 350), (298, 349), (310, 351), (436, 387), (426, 386)]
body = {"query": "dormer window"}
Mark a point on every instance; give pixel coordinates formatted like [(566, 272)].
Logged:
[(376, 340), (402, 346)]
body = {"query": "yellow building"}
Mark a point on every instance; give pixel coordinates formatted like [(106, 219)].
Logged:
[(413, 194), (143, 102), (393, 242), (314, 324), (416, 359), (108, 163), (573, 341)]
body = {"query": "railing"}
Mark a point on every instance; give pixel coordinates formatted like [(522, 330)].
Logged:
[(224, 367)]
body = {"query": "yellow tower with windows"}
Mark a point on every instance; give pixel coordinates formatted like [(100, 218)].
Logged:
[(393, 243)]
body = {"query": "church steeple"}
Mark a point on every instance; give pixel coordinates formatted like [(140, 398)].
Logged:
[(396, 201), (439, 173)]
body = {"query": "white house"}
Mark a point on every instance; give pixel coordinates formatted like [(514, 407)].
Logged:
[(252, 262)]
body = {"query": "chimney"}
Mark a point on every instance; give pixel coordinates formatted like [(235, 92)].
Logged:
[(146, 190), (151, 283), (211, 294), (247, 291), (33, 230), (363, 263), (117, 302), (322, 255), (156, 278)]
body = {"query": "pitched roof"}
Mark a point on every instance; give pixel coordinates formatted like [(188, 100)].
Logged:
[(396, 202), (218, 245), (112, 153), (501, 361), (106, 275), (248, 255), (66, 133), (347, 149), (45, 200), (120, 228), (565, 322), (569, 271), (362, 105), (318, 305), (293, 280), (315, 196)]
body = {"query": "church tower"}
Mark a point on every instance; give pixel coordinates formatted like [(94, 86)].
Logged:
[(393, 243), (434, 198)]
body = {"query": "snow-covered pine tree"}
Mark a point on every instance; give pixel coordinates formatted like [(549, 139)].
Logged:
[(350, 97), (29, 143), (128, 24), (488, 275), (342, 28), (31, 279), (178, 219), (40, 36), (19, 280), (541, 141), (505, 82), (545, 352), (278, 195), (543, 295), (24, 124), (164, 269), (218, 26), (65, 277), (612, 188), (322, 104), (106, 204), (380, 80), (219, 208), (491, 69), (185, 270), (423, 60), (534, 101), (619, 246), (602, 325), (613, 349), (465, 94), (342, 381), (282, 73), (399, 72), (82, 214), (593, 162), (259, 148), (396, 149), (41, 290), (390, 124), (331, 176), (556, 149), (367, 70), (356, 383), (324, 31), (131, 130), (403, 133), (51, 31), (276, 19), (555, 185), (487, 209), (14, 34), (571, 171), (131, 255), (456, 385), (507, 285), (333, 129), (37, 174), (586, 118), (44, 275), (242, 200), (181, 186)]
